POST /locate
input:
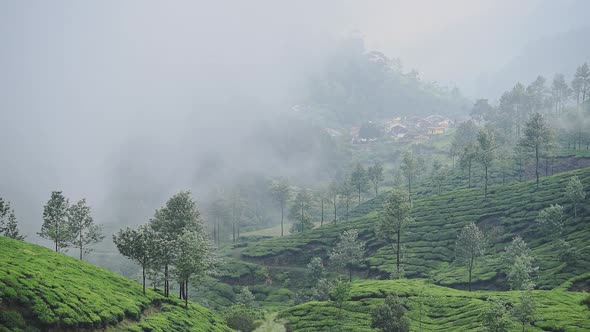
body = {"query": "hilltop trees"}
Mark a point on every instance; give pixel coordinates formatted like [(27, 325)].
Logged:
[(409, 168), (551, 221), (519, 263), (537, 137), (348, 252), (375, 174), (574, 192), (8, 223), (390, 316), (467, 157), (281, 191), (55, 214), (137, 245), (83, 232), (300, 212), (581, 83), (360, 180), (470, 245), (395, 218), (560, 92), (346, 190), (486, 153)]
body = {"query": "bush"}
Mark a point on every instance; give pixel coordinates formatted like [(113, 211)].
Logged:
[(241, 319)]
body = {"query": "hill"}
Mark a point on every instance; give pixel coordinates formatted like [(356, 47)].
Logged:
[(443, 309), (41, 290), (510, 210)]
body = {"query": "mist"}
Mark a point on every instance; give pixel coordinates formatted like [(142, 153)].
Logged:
[(141, 99)]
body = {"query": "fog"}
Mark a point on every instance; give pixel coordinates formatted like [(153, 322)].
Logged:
[(111, 99)]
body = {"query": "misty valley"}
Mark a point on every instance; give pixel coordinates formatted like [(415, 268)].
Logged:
[(275, 166)]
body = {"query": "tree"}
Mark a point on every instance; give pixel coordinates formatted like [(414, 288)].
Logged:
[(137, 245), (390, 316), (519, 274), (574, 192), (300, 212), (440, 173), (470, 245), (537, 136), (395, 218), (219, 212), (409, 168), (11, 228), (495, 317), (481, 110), (340, 293), (360, 180), (525, 310), (348, 251), (560, 92), (245, 298), (346, 191), (194, 259), (467, 157), (375, 174), (281, 191), (178, 215), (581, 82), (466, 134), (333, 192), (315, 270), (551, 221), (55, 214), (486, 154), (8, 223), (321, 290), (84, 232)]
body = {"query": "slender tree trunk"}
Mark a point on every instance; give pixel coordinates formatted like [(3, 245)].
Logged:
[(469, 176), (282, 217), (410, 190), (302, 225), (322, 220), (143, 277), (486, 182), (398, 253), (470, 269), (335, 212), (359, 195), (186, 294), (347, 206), (80, 242), (537, 164), (166, 284)]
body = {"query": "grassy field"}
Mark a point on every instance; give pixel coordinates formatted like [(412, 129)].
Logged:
[(42, 290), (443, 309), (510, 209)]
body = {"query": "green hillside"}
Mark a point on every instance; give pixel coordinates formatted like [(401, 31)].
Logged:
[(443, 309), (42, 290), (511, 209)]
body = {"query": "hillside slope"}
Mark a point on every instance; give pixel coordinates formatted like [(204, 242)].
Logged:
[(510, 209), (47, 291), (443, 309)]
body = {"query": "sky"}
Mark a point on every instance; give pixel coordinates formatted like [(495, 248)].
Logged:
[(97, 93)]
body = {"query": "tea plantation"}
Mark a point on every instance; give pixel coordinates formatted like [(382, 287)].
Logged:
[(508, 211), (41, 290)]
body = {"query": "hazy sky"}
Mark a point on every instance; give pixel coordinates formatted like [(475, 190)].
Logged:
[(90, 87)]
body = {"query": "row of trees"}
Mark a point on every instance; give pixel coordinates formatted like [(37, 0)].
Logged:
[(70, 225), (303, 202), (174, 245), (8, 222)]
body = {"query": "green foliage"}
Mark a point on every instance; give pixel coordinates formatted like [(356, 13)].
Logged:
[(82, 229), (524, 312), (519, 265), (574, 191), (470, 245), (348, 251), (246, 298), (241, 318), (360, 180), (55, 214), (438, 220), (538, 136), (8, 223), (551, 221), (495, 317), (447, 309), (300, 212), (486, 153), (315, 270), (390, 316), (375, 175), (57, 292)]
